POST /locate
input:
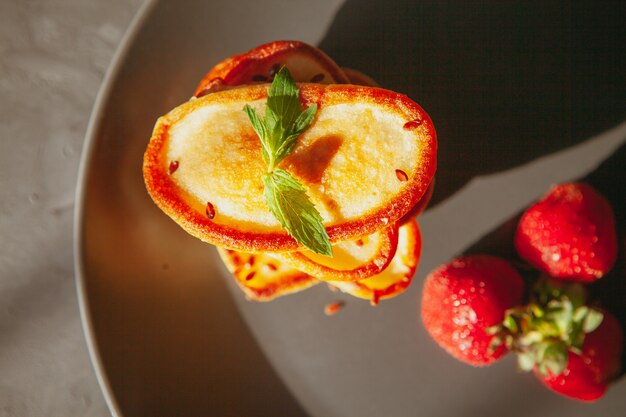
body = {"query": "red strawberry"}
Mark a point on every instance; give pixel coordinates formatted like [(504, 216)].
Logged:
[(569, 234), (587, 374), (464, 298)]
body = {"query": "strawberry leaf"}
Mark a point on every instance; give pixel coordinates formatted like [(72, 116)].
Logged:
[(561, 314), (553, 324), (555, 358), (580, 313), (526, 360), (592, 320), (510, 323)]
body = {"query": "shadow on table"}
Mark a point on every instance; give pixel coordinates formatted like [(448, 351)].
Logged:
[(504, 82)]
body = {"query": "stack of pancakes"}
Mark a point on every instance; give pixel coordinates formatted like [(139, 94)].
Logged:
[(367, 162)]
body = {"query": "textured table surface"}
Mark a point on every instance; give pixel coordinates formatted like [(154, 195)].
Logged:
[(53, 56)]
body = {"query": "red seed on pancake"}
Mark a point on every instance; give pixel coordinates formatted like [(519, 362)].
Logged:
[(210, 211), (173, 167), (413, 124), (401, 175)]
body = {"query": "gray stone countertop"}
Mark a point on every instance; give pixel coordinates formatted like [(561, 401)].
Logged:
[(53, 56)]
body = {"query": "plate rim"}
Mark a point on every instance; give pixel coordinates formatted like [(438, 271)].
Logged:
[(93, 126)]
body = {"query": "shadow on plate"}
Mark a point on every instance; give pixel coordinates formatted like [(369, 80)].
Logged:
[(504, 82)]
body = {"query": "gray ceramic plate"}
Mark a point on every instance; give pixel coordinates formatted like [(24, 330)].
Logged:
[(168, 331)]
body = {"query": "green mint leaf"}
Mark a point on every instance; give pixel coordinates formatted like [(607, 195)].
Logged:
[(274, 128), (257, 123), (304, 120), (260, 129), (285, 148), (283, 118), (301, 124), (285, 196), (282, 99), (289, 203), (283, 122)]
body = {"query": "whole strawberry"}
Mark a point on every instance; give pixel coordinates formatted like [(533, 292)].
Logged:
[(587, 374), (569, 234), (465, 297)]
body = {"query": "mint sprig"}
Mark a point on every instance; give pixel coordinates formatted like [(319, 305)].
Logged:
[(289, 203), (278, 131)]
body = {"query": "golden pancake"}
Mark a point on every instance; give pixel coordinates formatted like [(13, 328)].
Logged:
[(421, 205), (359, 78), (352, 260), (305, 62), (263, 278), (203, 164), (396, 278)]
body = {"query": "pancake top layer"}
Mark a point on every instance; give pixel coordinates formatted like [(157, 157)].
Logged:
[(366, 160)]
